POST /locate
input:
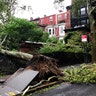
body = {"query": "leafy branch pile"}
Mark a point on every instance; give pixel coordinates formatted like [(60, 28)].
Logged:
[(60, 47), (83, 74)]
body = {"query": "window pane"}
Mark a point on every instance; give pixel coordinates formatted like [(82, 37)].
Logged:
[(50, 31), (51, 18), (59, 17), (83, 11)]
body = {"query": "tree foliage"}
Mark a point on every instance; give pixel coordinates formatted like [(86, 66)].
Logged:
[(83, 74), (76, 5), (73, 38), (45, 36), (7, 9), (59, 5), (19, 30), (52, 40)]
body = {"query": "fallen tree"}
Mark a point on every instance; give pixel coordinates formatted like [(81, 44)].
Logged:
[(45, 65), (20, 55), (10, 61)]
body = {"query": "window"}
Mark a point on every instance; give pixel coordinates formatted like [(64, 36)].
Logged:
[(87, 21), (51, 32), (51, 18), (61, 30), (42, 21), (83, 22), (83, 11), (59, 17)]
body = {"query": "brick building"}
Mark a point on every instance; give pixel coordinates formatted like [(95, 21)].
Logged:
[(55, 24)]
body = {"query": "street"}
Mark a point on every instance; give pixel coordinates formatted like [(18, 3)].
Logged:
[(67, 89)]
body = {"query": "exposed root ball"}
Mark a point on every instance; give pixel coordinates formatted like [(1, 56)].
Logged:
[(45, 65)]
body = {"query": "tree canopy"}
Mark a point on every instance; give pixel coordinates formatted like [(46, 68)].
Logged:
[(7, 9), (76, 5), (19, 30)]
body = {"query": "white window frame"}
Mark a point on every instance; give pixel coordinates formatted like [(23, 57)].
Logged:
[(52, 32), (61, 30)]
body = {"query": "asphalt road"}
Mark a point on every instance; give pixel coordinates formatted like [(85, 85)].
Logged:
[(67, 89)]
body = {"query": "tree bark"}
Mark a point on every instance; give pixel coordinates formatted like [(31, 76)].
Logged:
[(93, 30), (20, 55), (92, 12)]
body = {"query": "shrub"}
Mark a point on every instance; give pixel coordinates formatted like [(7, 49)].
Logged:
[(83, 74), (60, 47), (49, 48)]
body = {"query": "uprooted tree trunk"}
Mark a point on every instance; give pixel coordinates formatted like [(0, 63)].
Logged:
[(10, 61), (45, 65), (20, 55)]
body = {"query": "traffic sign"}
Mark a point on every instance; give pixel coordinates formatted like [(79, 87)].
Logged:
[(84, 38)]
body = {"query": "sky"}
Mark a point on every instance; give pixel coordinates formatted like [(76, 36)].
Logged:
[(38, 8)]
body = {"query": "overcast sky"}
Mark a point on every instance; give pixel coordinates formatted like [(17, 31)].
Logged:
[(39, 8)]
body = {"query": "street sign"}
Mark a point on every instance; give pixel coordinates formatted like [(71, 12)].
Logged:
[(84, 38)]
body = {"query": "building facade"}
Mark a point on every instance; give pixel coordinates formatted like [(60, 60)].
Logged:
[(55, 24), (81, 21)]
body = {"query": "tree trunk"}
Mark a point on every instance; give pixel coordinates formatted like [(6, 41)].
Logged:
[(20, 55), (92, 12), (93, 30)]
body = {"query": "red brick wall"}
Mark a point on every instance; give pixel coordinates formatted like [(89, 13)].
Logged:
[(46, 20), (68, 25)]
